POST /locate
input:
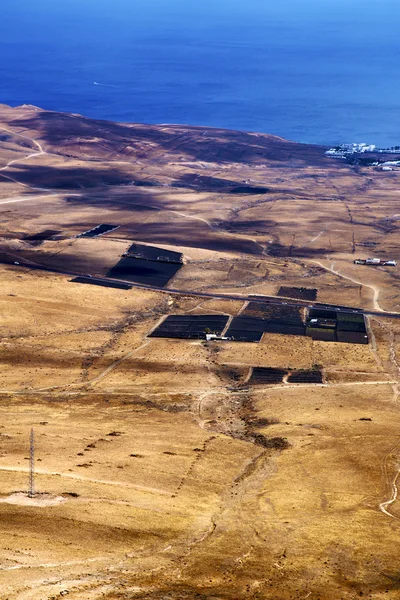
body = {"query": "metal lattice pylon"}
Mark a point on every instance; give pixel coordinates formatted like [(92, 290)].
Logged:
[(31, 491)]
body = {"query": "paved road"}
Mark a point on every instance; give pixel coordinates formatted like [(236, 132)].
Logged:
[(212, 295)]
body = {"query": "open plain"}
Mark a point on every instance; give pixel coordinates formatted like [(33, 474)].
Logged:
[(162, 472)]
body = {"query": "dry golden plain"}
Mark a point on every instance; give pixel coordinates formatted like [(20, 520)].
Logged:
[(161, 473)]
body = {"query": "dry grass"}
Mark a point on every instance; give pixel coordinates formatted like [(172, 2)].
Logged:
[(178, 481)]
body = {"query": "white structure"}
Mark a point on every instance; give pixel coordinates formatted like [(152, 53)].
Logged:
[(213, 336), (343, 150), (366, 147), (373, 261)]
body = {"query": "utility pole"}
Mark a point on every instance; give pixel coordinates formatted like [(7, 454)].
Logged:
[(31, 491)]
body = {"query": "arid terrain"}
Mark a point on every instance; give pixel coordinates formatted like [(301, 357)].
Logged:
[(162, 470)]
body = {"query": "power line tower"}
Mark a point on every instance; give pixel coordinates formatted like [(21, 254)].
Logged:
[(31, 491)]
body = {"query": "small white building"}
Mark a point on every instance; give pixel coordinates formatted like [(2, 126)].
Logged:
[(373, 261), (213, 336)]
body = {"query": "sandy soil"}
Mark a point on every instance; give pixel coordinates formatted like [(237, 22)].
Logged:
[(39, 500), (161, 473)]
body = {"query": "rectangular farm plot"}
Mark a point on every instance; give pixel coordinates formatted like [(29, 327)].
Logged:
[(351, 326), (300, 293), (259, 318), (147, 272), (322, 334), (321, 313), (352, 337), (276, 313), (148, 265), (284, 328), (240, 335), (274, 376), (190, 326), (153, 253), (337, 326), (98, 230), (305, 376), (351, 322), (246, 329), (267, 375)]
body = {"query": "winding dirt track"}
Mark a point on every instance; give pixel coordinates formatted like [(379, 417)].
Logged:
[(375, 289), (40, 152), (383, 506)]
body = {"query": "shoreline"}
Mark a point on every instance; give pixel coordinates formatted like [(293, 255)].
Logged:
[(323, 144)]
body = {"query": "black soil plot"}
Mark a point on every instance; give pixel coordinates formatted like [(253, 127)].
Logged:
[(190, 326), (276, 313), (102, 283), (322, 334), (352, 337), (271, 376), (321, 313), (98, 230), (337, 326), (246, 329), (251, 329), (147, 272), (300, 293), (42, 235), (284, 328), (350, 322), (149, 265), (153, 253), (267, 375), (311, 376), (274, 318)]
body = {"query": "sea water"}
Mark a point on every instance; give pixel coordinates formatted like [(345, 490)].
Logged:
[(320, 71)]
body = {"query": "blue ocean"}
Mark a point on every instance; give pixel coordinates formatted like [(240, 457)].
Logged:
[(319, 71)]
